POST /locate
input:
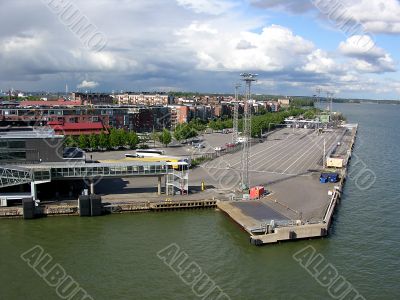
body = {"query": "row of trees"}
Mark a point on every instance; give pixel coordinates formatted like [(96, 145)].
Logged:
[(116, 139), (269, 121), (302, 102), (221, 124), (185, 131), (262, 122)]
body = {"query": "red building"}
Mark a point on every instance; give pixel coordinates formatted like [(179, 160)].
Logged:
[(77, 128)]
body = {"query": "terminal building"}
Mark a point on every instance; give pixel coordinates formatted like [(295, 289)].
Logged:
[(33, 164), (30, 146)]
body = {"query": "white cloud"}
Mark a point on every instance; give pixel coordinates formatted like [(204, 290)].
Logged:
[(372, 16), (320, 62), (244, 45), (212, 7), (87, 84), (367, 59), (376, 16), (361, 45), (21, 42), (276, 48)]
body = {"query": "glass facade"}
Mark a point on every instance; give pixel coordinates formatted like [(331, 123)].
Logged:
[(12, 150)]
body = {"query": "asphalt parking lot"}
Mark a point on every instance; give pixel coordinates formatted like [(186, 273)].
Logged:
[(286, 152), (288, 164)]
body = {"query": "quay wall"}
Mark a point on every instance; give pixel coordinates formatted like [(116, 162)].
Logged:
[(109, 208)]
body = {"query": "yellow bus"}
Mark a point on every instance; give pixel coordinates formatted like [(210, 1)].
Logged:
[(171, 159)]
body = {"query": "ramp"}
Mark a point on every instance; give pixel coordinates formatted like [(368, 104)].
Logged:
[(12, 175)]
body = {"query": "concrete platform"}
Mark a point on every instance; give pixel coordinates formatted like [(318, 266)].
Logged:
[(299, 205)]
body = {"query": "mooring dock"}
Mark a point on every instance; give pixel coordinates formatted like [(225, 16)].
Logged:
[(298, 206), (72, 208)]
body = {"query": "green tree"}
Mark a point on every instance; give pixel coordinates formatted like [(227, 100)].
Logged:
[(309, 114), (262, 110), (114, 138), (83, 141), (185, 131), (198, 124), (93, 141), (104, 142), (221, 124), (132, 140), (178, 135), (122, 137), (154, 137), (70, 141), (165, 137)]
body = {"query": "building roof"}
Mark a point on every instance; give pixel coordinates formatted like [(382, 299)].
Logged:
[(75, 126), (36, 133), (51, 103)]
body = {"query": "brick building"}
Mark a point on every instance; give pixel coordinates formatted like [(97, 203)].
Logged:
[(143, 99)]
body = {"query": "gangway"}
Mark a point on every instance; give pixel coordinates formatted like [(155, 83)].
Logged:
[(13, 175), (47, 172)]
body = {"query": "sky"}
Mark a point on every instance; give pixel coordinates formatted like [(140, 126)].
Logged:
[(348, 47)]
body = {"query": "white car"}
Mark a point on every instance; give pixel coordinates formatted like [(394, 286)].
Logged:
[(241, 140)]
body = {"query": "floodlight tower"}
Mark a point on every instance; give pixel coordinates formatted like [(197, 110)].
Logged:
[(249, 79), (329, 99), (235, 134), (319, 91)]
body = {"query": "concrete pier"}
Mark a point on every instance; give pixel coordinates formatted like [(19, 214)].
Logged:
[(285, 214), (71, 208)]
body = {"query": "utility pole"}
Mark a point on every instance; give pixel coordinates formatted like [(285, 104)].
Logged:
[(324, 157), (249, 79), (236, 115), (154, 136), (330, 103), (319, 91)]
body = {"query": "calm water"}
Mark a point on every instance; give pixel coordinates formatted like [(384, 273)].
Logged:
[(114, 257)]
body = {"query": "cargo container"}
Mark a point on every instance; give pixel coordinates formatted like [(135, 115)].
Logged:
[(257, 192), (323, 179), (329, 177)]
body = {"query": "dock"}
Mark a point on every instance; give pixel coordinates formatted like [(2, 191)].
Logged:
[(297, 207), (71, 208)]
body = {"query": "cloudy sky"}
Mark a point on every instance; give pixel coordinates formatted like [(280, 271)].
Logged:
[(350, 47)]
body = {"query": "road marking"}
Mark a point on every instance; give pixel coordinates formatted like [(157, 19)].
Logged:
[(300, 157), (258, 171), (295, 147)]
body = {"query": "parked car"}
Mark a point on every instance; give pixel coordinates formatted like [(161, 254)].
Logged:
[(198, 146), (241, 139)]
